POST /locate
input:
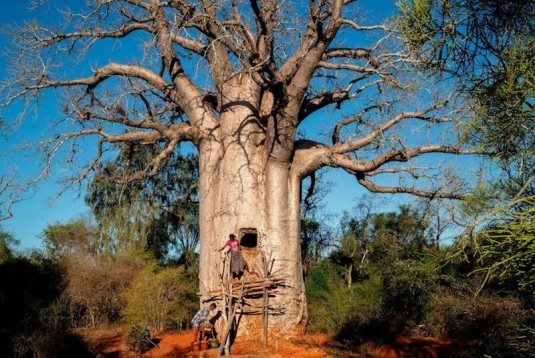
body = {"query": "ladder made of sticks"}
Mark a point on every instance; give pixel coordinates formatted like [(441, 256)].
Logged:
[(233, 294)]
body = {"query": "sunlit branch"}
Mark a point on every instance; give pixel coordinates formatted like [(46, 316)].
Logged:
[(290, 67), (353, 53), (352, 119), (357, 27), (415, 172), (374, 188), (247, 34), (102, 74), (405, 155), (351, 145), (324, 99), (55, 38), (265, 19), (386, 76), (311, 156)]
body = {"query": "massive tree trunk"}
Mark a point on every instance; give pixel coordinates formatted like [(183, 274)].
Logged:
[(243, 190)]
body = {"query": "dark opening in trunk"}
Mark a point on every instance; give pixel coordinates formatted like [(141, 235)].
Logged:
[(248, 238)]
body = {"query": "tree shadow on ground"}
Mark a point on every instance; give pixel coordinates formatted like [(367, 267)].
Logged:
[(391, 337)]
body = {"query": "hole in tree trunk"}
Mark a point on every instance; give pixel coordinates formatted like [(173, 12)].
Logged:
[(248, 238)]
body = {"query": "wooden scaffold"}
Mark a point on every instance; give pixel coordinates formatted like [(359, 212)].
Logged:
[(240, 297)]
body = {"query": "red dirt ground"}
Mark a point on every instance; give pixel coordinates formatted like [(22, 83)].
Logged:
[(111, 344)]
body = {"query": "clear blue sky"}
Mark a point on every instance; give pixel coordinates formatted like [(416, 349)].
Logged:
[(32, 215)]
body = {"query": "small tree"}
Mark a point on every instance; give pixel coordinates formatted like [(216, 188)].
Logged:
[(7, 241), (95, 287), (159, 215), (161, 299), (78, 237)]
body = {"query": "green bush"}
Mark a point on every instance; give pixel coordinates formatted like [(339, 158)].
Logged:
[(329, 302), (138, 339), (332, 306), (408, 285), (487, 325), (161, 298)]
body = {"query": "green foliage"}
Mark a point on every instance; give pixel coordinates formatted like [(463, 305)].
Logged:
[(330, 303), (158, 214), (410, 290), (506, 118), (406, 227), (7, 241), (488, 46), (347, 256), (76, 237), (95, 287), (161, 298), (488, 325), (464, 37), (408, 284), (138, 339), (507, 252)]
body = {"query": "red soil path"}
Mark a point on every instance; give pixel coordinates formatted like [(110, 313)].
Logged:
[(111, 344)]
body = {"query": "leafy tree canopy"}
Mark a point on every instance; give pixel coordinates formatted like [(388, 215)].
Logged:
[(490, 47), (158, 214)]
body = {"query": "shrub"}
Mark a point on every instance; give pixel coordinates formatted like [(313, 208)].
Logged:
[(138, 339), (33, 320), (329, 302), (408, 286), (161, 298), (95, 287), (333, 307), (487, 325)]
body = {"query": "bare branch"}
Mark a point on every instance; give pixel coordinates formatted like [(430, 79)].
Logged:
[(374, 188), (102, 74), (351, 145), (9, 194)]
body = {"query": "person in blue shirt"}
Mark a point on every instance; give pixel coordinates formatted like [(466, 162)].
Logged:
[(201, 319)]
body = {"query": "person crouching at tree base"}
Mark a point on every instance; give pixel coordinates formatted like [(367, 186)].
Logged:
[(237, 263), (203, 319)]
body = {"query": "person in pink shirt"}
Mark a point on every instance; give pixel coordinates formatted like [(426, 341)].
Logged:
[(237, 263)]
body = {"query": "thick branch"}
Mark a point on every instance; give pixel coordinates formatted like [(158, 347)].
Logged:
[(352, 145), (374, 188), (185, 93), (102, 74), (324, 99), (311, 156)]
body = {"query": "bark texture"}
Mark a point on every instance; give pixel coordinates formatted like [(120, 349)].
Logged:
[(242, 190)]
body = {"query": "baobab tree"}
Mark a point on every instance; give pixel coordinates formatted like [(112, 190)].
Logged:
[(243, 81)]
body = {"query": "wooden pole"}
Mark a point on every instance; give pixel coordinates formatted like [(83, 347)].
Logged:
[(265, 303), (265, 319), (225, 336), (226, 343)]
